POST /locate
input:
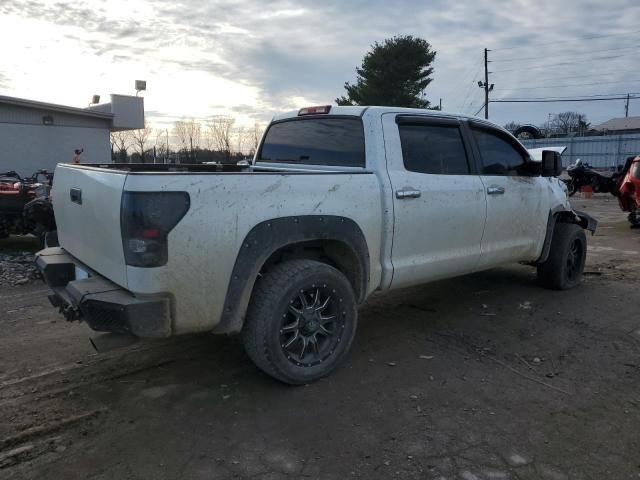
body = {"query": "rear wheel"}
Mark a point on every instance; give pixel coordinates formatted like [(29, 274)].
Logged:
[(301, 321), (563, 269)]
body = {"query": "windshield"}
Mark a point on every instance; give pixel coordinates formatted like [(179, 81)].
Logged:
[(335, 141)]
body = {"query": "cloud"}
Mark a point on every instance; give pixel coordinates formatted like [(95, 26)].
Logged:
[(4, 80), (251, 59)]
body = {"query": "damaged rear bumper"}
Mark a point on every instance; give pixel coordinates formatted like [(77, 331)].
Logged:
[(81, 294)]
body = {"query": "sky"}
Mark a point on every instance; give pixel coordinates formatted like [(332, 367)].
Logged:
[(251, 59)]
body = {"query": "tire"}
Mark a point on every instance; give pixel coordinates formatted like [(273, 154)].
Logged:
[(278, 333), (563, 269), (530, 131)]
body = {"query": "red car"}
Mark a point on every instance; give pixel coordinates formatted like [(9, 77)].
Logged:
[(628, 189)]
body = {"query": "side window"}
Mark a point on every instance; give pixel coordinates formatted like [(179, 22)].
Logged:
[(499, 157), (435, 149)]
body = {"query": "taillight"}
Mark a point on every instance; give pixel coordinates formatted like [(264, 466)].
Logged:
[(146, 218)]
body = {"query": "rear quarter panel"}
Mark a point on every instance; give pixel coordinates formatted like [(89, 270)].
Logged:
[(224, 208)]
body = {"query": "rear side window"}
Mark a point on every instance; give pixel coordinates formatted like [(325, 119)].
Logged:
[(435, 149), (499, 157), (315, 141)]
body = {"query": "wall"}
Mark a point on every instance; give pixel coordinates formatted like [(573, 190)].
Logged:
[(27, 148), (600, 152)]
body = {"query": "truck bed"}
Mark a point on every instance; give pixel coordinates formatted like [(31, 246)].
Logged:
[(226, 202)]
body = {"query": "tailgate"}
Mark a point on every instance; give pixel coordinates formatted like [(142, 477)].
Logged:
[(86, 203)]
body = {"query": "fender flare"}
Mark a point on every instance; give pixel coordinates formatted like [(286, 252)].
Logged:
[(268, 237), (561, 214)]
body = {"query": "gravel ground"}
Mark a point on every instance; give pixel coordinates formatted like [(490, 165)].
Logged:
[(16, 261), (482, 377)]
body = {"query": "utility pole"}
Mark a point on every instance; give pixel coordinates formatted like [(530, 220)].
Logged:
[(440, 104), (626, 106), (486, 85)]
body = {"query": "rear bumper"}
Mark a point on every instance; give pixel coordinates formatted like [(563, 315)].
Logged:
[(105, 306)]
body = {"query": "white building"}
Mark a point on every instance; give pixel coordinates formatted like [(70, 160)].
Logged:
[(36, 135)]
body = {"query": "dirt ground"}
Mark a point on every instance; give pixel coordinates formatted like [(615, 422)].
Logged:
[(481, 377)]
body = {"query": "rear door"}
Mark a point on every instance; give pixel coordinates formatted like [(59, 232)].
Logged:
[(439, 202), (86, 204), (517, 203)]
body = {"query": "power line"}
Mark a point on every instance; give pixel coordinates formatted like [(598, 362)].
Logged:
[(479, 110), (558, 100), (455, 90), (471, 85), (518, 59), (586, 37), (582, 75), (542, 87), (608, 57), (591, 96), (472, 102)]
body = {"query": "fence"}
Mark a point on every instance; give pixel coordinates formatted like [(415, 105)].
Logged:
[(600, 152)]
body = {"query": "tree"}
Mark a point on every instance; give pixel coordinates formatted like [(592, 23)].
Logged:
[(120, 142), (511, 126), (188, 133), (241, 137), (141, 138), (256, 136), (568, 122), (162, 144), (394, 73), (219, 132)]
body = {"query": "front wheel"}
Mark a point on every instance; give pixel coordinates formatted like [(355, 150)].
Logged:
[(565, 264), (301, 321)]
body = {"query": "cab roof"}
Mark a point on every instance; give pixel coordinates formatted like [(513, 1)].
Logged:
[(361, 111)]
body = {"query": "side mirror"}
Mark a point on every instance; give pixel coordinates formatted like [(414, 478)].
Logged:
[(551, 163)]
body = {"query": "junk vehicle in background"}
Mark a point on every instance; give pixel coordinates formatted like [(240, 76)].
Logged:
[(624, 184), (338, 203), (628, 189), (25, 205)]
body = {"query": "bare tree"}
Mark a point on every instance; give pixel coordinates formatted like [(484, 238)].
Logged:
[(180, 131), (120, 143), (188, 133), (568, 122), (162, 144), (240, 140), (219, 129), (256, 136), (141, 139), (511, 126)]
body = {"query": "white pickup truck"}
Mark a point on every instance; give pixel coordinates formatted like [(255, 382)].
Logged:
[(339, 202)]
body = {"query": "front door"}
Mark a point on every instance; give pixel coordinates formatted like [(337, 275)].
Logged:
[(517, 203), (439, 203)]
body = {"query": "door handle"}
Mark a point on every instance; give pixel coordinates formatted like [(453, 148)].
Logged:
[(495, 190), (407, 193)]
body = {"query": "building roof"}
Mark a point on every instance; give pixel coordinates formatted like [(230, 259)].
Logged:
[(23, 102), (624, 123)]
